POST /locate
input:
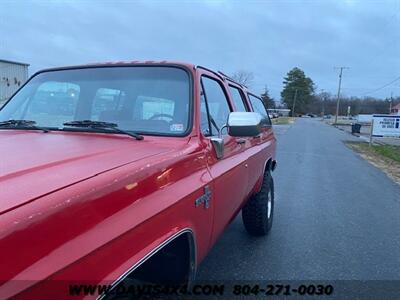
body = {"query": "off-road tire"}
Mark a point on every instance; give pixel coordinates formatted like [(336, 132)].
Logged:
[(255, 212)]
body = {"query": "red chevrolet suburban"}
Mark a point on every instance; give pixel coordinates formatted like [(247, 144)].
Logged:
[(127, 170)]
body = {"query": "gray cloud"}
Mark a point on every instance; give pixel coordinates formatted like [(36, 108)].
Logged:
[(265, 37)]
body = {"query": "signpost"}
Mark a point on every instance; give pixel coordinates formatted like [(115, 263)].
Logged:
[(385, 126)]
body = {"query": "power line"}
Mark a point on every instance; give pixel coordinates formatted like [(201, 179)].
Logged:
[(386, 26), (382, 87)]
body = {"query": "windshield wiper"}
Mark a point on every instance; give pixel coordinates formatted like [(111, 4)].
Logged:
[(102, 125), (21, 124)]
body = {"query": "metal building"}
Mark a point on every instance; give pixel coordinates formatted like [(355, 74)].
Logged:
[(12, 76)]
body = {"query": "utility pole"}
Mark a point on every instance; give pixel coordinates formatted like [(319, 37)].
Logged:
[(390, 102), (294, 102), (338, 93)]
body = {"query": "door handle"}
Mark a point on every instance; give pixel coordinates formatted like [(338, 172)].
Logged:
[(257, 136), (241, 141)]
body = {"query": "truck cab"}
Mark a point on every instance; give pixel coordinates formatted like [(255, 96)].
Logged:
[(127, 171)]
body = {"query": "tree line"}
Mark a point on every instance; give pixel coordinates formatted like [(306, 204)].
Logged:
[(299, 92)]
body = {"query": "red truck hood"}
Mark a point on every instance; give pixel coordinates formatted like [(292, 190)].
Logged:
[(34, 163)]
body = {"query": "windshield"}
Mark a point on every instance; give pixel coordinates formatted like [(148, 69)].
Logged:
[(152, 100)]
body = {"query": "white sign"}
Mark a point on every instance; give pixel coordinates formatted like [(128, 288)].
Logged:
[(386, 125)]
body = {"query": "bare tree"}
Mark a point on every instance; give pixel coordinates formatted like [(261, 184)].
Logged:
[(243, 77)]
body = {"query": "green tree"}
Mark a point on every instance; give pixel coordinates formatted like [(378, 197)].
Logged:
[(268, 101), (296, 80)]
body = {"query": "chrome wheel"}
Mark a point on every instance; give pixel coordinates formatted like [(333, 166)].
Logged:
[(269, 204)]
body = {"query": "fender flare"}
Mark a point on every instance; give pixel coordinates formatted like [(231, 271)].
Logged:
[(192, 257), (270, 165)]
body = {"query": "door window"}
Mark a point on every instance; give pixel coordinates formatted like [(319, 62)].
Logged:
[(216, 104), (204, 120)]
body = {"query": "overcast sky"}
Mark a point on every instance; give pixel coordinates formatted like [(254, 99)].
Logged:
[(267, 38)]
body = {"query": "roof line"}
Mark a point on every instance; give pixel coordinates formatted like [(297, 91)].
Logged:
[(232, 80), (13, 62), (211, 71)]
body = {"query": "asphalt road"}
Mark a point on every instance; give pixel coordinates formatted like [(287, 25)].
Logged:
[(336, 217)]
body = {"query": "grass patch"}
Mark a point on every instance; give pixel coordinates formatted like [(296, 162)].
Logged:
[(389, 151), (392, 152), (282, 121), (384, 157)]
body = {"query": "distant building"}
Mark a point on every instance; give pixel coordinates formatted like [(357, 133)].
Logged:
[(396, 109), (12, 76)]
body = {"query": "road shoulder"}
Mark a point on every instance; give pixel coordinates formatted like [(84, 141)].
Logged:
[(384, 160)]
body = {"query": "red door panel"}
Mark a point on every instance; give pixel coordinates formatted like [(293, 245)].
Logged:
[(230, 177)]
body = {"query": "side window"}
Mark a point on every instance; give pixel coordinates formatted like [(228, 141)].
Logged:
[(237, 99), (216, 104), (258, 106), (204, 121)]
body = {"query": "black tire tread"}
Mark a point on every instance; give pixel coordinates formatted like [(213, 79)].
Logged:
[(254, 213)]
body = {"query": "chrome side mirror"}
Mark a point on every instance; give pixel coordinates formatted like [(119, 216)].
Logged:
[(244, 124), (239, 124)]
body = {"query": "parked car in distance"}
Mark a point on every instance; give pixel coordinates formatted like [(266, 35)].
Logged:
[(132, 175), (274, 115)]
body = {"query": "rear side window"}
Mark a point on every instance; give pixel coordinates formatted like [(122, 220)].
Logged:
[(237, 99), (258, 106), (216, 104)]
